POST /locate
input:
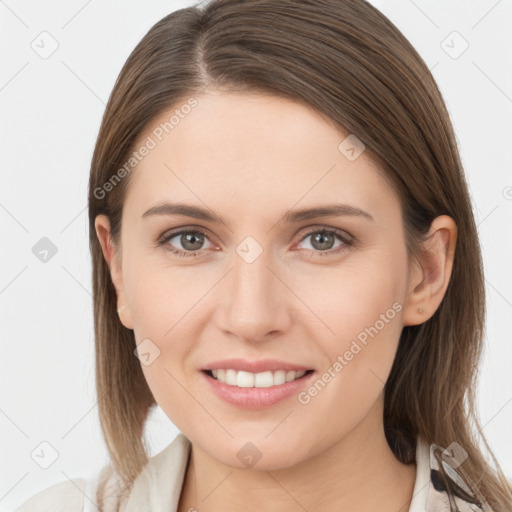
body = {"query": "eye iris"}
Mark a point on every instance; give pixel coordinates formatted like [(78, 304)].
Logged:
[(320, 238), (188, 244)]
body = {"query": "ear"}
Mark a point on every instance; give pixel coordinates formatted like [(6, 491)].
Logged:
[(112, 256), (429, 279)]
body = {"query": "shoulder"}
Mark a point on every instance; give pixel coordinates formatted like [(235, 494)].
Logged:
[(65, 496), (161, 480), (76, 495), (451, 460)]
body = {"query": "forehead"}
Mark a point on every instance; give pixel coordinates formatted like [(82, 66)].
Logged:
[(255, 151)]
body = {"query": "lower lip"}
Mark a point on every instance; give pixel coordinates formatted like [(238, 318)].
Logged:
[(256, 398)]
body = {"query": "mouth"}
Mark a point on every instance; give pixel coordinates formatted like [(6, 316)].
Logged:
[(266, 379)]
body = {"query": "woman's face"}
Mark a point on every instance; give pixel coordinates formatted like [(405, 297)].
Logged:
[(264, 284)]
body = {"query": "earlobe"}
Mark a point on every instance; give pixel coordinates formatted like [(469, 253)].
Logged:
[(112, 257), (430, 278)]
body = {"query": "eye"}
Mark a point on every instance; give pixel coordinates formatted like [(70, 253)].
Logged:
[(191, 242), (324, 238)]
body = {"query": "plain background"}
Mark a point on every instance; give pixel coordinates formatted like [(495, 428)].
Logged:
[(50, 111)]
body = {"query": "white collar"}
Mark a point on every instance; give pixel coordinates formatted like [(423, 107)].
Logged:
[(158, 487)]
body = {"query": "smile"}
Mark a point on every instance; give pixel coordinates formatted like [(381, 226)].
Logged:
[(256, 390), (243, 379)]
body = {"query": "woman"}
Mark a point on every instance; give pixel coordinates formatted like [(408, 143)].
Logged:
[(285, 260)]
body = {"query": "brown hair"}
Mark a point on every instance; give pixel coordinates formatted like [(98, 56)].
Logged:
[(351, 64)]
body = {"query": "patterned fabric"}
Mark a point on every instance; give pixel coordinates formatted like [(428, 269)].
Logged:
[(438, 501)]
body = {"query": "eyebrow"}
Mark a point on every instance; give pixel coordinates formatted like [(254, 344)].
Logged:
[(292, 216)]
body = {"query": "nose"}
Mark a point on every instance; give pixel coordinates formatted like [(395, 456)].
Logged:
[(256, 301)]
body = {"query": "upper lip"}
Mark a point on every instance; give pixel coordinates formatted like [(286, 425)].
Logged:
[(262, 365)]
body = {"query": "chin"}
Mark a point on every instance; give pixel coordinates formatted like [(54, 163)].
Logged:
[(260, 453)]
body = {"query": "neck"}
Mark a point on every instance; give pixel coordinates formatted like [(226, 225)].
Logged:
[(357, 472)]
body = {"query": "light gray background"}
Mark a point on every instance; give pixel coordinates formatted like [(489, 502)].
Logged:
[(50, 111)]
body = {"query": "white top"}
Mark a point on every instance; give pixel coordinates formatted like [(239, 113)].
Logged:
[(158, 486)]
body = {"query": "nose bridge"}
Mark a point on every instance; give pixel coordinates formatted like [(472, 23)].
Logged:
[(254, 306)]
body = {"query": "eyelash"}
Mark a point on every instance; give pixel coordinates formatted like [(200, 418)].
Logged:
[(347, 242)]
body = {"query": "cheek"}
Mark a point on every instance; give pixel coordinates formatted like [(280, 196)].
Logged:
[(169, 389), (361, 320), (166, 305), (355, 296), (158, 296), (163, 319)]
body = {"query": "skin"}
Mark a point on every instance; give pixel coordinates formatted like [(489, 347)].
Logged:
[(250, 158)]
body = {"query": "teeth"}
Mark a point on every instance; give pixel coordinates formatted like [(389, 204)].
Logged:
[(267, 379)]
